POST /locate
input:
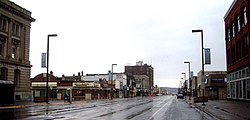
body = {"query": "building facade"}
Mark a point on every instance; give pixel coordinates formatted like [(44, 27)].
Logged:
[(15, 25), (142, 69), (237, 33), (215, 85)]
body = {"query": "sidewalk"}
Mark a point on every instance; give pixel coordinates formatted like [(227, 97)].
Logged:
[(224, 109), (23, 104)]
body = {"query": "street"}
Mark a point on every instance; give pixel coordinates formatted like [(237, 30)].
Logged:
[(139, 108)]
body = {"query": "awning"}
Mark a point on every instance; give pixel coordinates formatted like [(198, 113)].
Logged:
[(6, 82)]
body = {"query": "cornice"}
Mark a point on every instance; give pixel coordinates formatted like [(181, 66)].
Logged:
[(19, 13)]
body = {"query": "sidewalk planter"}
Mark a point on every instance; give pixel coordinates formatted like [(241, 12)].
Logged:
[(200, 99)]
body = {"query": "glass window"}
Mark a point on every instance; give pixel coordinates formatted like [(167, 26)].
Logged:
[(238, 22), (233, 29), (13, 52), (240, 89), (4, 73), (248, 88), (243, 73), (1, 48), (3, 24), (244, 89), (245, 15), (233, 89), (228, 90), (229, 34)]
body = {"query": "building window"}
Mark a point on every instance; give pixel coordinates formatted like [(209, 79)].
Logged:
[(238, 22), (245, 15), (245, 45), (4, 73), (244, 88), (16, 29), (17, 78), (233, 29), (13, 52), (1, 48), (2, 43), (3, 24), (248, 88), (228, 90)]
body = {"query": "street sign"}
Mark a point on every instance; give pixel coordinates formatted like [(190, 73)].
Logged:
[(207, 56), (43, 60)]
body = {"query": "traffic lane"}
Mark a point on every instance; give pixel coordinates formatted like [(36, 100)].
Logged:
[(123, 109), (141, 108)]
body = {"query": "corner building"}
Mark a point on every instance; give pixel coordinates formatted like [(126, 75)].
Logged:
[(15, 24), (237, 33)]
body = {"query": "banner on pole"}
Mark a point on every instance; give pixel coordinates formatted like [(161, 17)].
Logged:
[(207, 56), (43, 60)]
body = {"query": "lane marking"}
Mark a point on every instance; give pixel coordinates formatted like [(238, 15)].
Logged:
[(158, 111)]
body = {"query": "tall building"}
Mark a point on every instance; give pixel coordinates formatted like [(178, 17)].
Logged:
[(142, 69), (15, 24), (237, 33)]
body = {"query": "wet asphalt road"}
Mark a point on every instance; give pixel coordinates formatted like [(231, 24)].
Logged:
[(139, 108)]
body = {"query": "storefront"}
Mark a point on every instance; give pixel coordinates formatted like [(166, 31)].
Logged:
[(238, 84)]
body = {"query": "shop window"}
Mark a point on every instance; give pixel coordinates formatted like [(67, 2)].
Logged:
[(240, 89), (228, 90), (4, 73), (248, 88), (233, 89), (244, 89)]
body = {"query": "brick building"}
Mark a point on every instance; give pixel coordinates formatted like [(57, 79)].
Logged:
[(15, 24), (142, 69), (237, 30)]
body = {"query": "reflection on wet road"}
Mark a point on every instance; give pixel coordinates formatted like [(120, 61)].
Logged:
[(139, 108)]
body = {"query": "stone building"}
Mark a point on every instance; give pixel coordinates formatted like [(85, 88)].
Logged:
[(15, 25)]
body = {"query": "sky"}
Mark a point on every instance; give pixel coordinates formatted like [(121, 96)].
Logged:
[(93, 34)]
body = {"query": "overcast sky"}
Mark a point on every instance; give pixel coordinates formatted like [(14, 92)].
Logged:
[(93, 34)]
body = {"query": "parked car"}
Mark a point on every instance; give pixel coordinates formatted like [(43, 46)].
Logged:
[(180, 96)]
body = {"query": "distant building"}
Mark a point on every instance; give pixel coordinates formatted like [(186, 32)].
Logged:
[(237, 50), (15, 24), (142, 69)]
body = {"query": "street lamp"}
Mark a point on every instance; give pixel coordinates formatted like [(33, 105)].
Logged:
[(47, 76), (202, 63), (189, 78), (185, 82), (112, 80)]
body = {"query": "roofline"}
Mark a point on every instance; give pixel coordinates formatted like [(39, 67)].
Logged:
[(230, 8)]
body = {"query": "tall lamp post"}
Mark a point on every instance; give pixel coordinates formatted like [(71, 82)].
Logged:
[(189, 78), (185, 81), (47, 74), (202, 64), (112, 80)]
